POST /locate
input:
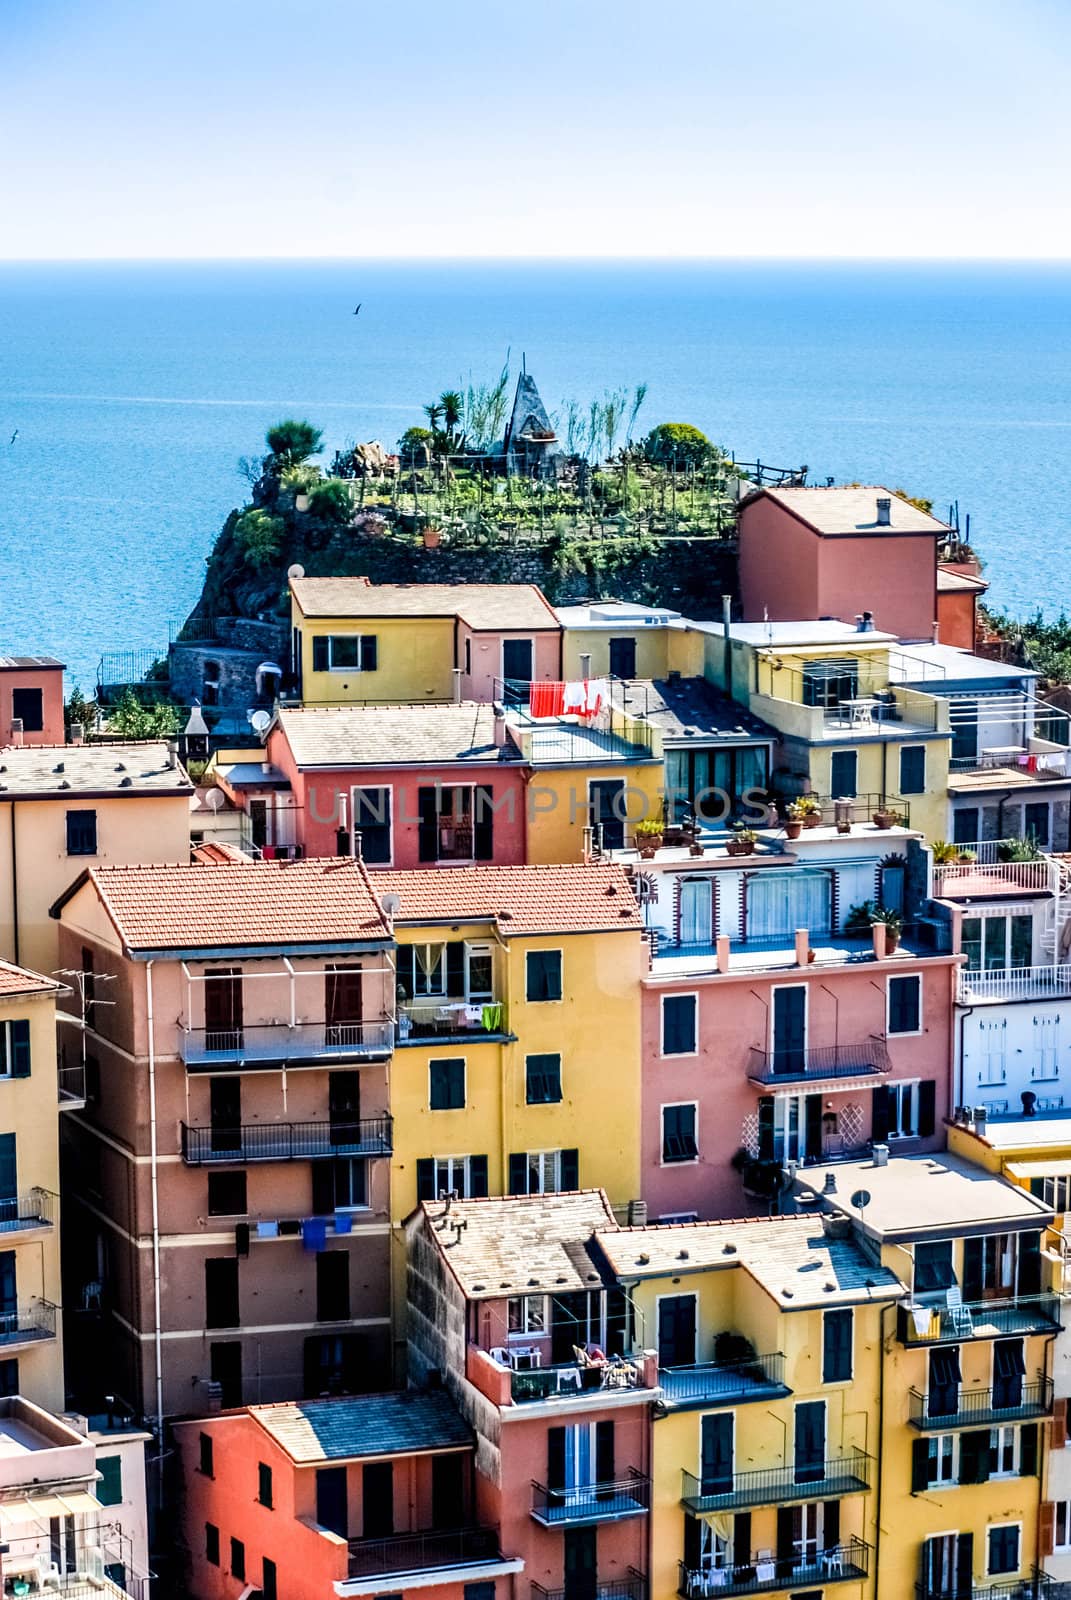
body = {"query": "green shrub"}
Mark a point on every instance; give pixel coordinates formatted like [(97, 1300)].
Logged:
[(678, 444), (259, 537)]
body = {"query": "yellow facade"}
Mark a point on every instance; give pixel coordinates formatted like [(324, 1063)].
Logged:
[(414, 659), (559, 804), (659, 650)]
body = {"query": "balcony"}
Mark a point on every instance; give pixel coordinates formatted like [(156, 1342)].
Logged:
[(1050, 982), (411, 1553), (633, 1586), (587, 1503), (838, 1563), (978, 1319), (981, 880), (287, 1141), (1035, 1586), (71, 1087), (312, 1044), (713, 1383), (569, 1381), (28, 1325), (27, 1211), (976, 1406), (849, 1473), (444, 1019), (867, 1059)]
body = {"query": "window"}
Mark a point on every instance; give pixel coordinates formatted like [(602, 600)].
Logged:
[(905, 1004), (935, 1460), (933, 1266), (269, 1582), (993, 1041), (455, 822), (339, 1185), (993, 943), (827, 683), (679, 1024), (344, 652), (543, 1080), (264, 1485), (332, 1285), (913, 769), (1046, 1062), (543, 970), (226, 1194), (212, 1543), (221, 1292), (912, 1109), (836, 1346), (622, 658), (1004, 1451), (842, 774), (679, 1133), (371, 819), (479, 1591), (1036, 822), (15, 1049), (965, 825), (1056, 1192), (447, 1084), (81, 833), (28, 707), (464, 1175), (110, 1488), (9, 1377), (206, 1462), (238, 1560), (1003, 1549), (544, 1171), (528, 1314), (1062, 1529)]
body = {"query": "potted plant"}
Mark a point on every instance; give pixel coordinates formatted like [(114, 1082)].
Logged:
[(794, 819), (432, 538), (883, 817), (965, 857), (742, 842), (894, 925), (649, 832), (944, 854), (810, 810), (860, 917)]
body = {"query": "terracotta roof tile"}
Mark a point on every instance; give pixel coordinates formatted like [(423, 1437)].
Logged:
[(481, 605), (518, 1244), (241, 903), (845, 510), (574, 898), (385, 736), (20, 980)]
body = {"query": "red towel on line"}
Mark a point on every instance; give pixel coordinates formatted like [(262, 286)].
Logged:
[(546, 698)]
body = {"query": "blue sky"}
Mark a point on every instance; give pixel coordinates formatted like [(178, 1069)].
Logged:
[(789, 128)]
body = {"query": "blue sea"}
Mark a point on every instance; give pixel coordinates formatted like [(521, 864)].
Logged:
[(134, 390)]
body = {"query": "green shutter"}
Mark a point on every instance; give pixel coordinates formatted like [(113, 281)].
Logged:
[(570, 1165), (320, 657), (478, 1177), (425, 1179), (110, 1487), (920, 1465), (518, 1173), (20, 1049)]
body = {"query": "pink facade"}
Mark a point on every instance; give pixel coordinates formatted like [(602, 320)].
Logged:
[(31, 693), (484, 656), (746, 1095), (790, 572)]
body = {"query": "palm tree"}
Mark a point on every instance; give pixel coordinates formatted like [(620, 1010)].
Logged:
[(452, 405), (293, 442), (434, 415)]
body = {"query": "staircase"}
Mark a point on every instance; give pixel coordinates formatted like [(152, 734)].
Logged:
[(1056, 939)]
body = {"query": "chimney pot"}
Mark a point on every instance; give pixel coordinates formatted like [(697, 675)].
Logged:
[(884, 517)]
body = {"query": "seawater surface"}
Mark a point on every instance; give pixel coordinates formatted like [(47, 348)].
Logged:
[(136, 388)]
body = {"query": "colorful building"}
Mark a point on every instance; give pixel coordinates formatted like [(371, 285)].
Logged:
[(619, 639), (31, 701)]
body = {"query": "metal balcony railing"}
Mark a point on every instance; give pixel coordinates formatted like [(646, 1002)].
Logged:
[(31, 1210), (977, 1319), (71, 1085), (567, 1380), (1035, 1586), (204, 1049), (1014, 983), (849, 1473), (977, 879), (837, 1563), (421, 1552), (28, 1323), (971, 1407), (629, 1496), (867, 1057), (436, 1017), (287, 1141), (724, 1383), (632, 1586)]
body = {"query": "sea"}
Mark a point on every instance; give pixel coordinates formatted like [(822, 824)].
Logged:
[(130, 392)]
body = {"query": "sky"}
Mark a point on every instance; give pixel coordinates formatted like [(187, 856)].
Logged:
[(779, 128)]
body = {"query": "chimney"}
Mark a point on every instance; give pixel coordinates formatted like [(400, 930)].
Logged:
[(172, 748), (803, 947), (877, 933), (16, 732), (585, 665), (864, 622), (500, 728), (884, 517), (457, 686), (726, 628), (78, 733), (721, 948)]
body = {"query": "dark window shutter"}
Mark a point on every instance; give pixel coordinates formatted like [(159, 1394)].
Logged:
[(604, 1452), (972, 1269), (693, 1544), (320, 661), (427, 829), (1059, 1424), (455, 968), (974, 1457), (1046, 1527), (570, 1165), (1030, 1263), (369, 659), (786, 1553), (425, 1179), (1028, 1453), (831, 1524), (20, 1048), (518, 1173), (555, 1458), (483, 822), (766, 1127), (920, 1465), (927, 1107), (323, 1187), (478, 1177), (742, 1538), (879, 1114), (964, 1562)]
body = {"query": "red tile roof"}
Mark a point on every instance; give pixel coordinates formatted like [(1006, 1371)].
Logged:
[(240, 903), (20, 980), (535, 899)]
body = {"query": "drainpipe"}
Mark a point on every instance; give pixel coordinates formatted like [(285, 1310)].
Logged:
[(155, 1192), (14, 887), (969, 1012), (881, 1441), (726, 627)]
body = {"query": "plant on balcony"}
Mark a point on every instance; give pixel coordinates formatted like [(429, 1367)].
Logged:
[(742, 842), (649, 834), (894, 926), (795, 817), (860, 917), (809, 809), (884, 818), (763, 1177), (1018, 850), (945, 853), (732, 1349)]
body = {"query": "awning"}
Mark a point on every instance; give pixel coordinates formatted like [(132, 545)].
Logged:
[(1040, 1169), (825, 1086), (26, 1516)]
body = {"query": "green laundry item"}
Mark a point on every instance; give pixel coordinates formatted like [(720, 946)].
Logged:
[(492, 1019)]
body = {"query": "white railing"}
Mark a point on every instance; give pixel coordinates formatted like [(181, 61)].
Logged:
[(1015, 983), (972, 877), (982, 850)]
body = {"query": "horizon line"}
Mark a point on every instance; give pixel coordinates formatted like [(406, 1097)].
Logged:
[(542, 259)]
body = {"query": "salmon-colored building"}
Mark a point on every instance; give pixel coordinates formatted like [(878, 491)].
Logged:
[(959, 589), (809, 553), (350, 1496), (31, 700)]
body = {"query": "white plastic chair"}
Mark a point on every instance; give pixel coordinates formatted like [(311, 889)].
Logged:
[(959, 1314)]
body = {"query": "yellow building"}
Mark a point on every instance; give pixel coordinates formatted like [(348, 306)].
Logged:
[(353, 641), (967, 1382), (615, 638), (66, 808), (31, 1335)]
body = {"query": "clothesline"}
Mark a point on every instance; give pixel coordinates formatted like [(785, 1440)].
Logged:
[(579, 697)]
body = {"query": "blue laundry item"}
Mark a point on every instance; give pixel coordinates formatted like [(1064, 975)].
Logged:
[(314, 1233), (343, 1222), (267, 1230)]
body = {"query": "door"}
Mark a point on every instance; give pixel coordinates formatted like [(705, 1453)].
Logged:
[(225, 1111), (947, 1562), (789, 1029), (258, 823), (697, 911), (810, 1441), (331, 1510), (344, 1107), (943, 1398), (516, 664), (9, 1181), (9, 1300), (580, 1563), (223, 1009), (622, 658), (1009, 1368), (568, 1325), (377, 1499), (225, 1368), (343, 999), (717, 1453), (607, 810), (676, 1330), (448, 1491)]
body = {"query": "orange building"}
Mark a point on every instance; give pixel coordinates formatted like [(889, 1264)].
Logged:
[(31, 700)]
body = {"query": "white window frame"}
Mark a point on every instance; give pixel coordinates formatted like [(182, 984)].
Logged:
[(944, 1448), (1061, 1547), (675, 1105), (454, 860), (331, 637), (1007, 1434), (446, 1169), (532, 1321), (472, 949), (789, 1141), (544, 1162), (904, 1090), (362, 1205), (7, 1053), (989, 1529), (679, 1055), (1046, 1064), (374, 788), (903, 977), (993, 1048), (1058, 1195)]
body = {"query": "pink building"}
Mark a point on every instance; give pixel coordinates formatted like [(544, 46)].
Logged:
[(809, 553), (776, 1023), (31, 700)]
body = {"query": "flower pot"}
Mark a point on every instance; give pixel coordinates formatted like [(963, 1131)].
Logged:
[(793, 829), (812, 819), (882, 819), (844, 827), (736, 847), (891, 941), (432, 538), (695, 848), (647, 850)]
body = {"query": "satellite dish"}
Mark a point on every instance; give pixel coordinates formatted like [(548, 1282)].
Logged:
[(215, 799), (861, 1199), (259, 721), (296, 571)]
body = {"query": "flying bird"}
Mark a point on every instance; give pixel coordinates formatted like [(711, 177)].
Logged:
[(14, 436), (360, 303)]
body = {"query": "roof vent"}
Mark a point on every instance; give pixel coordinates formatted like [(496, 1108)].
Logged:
[(643, 1258), (728, 1249), (830, 1185), (120, 766), (127, 782), (682, 1255), (65, 784), (884, 517), (58, 767)]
